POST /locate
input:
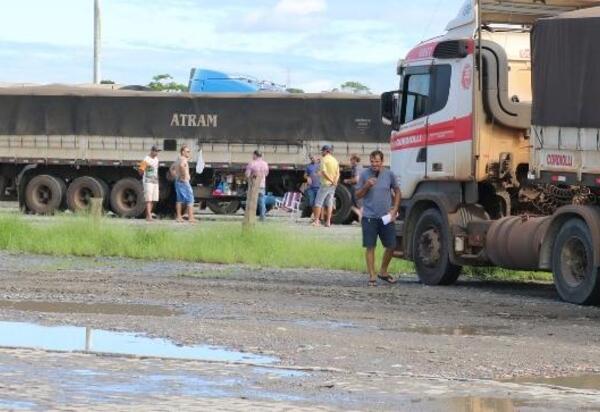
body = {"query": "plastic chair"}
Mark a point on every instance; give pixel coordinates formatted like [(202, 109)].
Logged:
[(290, 203)]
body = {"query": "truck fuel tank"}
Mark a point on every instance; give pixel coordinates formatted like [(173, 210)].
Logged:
[(514, 242)]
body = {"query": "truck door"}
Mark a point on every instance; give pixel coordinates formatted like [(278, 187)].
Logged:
[(434, 138), (408, 142), (441, 125)]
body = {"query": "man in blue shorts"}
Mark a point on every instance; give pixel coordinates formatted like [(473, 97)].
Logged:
[(313, 179), (377, 185), (183, 188)]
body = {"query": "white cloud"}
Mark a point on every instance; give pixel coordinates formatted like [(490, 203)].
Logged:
[(300, 7), (285, 16)]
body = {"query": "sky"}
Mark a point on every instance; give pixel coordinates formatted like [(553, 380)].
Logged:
[(314, 45)]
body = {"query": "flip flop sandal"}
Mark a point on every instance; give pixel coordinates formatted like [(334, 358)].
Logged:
[(389, 279), (372, 283)]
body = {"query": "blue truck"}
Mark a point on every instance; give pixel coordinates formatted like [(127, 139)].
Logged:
[(212, 81)]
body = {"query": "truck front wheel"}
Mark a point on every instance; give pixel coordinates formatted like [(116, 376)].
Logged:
[(575, 276), (431, 250)]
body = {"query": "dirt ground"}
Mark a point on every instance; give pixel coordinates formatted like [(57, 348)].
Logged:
[(339, 345)]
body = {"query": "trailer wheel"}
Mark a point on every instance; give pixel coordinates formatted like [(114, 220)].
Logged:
[(80, 192), (575, 276), (127, 198), (343, 206), (44, 194), (106, 188), (224, 208), (431, 250), (3, 184)]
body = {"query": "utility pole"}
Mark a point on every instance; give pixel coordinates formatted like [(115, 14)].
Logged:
[(96, 41)]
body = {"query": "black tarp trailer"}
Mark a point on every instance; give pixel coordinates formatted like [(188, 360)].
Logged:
[(52, 136)]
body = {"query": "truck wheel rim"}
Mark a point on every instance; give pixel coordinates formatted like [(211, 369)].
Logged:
[(85, 194), (429, 247), (573, 262), (129, 199), (44, 194)]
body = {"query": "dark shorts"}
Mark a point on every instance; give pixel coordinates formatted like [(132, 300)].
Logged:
[(374, 227), (311, 194)]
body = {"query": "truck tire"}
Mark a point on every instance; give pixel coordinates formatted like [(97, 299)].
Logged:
[(81, 190), (224, 208), (106, 188), (343, 206), (127, 198), (44, 194), (431, 250), (3, 185), (575, 275)]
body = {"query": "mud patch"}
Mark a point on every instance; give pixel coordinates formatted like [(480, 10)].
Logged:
[(85, 339), (574, 382), (91, 308), (467, 403)]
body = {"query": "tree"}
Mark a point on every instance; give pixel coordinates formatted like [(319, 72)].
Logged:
[(294, 90), (165, 83), (355, 87), (107, 82)]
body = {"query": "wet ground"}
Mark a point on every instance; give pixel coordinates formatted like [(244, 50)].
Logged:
[(105, 334)]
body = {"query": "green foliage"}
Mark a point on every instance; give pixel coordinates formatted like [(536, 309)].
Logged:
[(107, 82), (355, 87), (165, 83), (294, 90)]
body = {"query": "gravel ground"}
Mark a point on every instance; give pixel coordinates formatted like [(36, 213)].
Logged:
[(405, 346)]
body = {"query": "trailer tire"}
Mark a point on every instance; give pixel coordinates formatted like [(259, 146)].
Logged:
[(44, 194), (343, 202), (106, 188), (81, 190), (431, 250), (127, 198), (576, 277), (223, 208), (3, 185)]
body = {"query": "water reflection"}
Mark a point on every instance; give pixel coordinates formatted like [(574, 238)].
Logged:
[(75, 338)]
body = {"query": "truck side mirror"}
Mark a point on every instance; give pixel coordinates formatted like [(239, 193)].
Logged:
[(389, 108)]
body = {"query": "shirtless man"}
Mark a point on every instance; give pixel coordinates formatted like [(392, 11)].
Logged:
[(183, 188)]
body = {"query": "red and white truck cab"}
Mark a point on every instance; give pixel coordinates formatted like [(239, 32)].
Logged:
[(478, 187)]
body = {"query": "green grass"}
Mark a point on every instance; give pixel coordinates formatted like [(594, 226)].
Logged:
[(267, 245), (270, 245)]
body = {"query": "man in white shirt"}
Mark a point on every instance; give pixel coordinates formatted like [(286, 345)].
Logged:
[(149, 168)]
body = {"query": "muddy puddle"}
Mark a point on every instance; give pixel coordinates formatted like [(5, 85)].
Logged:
[(459, 330), (89, 308), (467, 403), (85, 339), (589, 382)]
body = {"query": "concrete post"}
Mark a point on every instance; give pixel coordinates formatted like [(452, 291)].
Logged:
[(97, 34)]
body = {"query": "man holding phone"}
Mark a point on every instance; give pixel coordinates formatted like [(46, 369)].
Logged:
[(376, 187)]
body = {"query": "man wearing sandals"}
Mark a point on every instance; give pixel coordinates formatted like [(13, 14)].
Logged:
[(376, 187)]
